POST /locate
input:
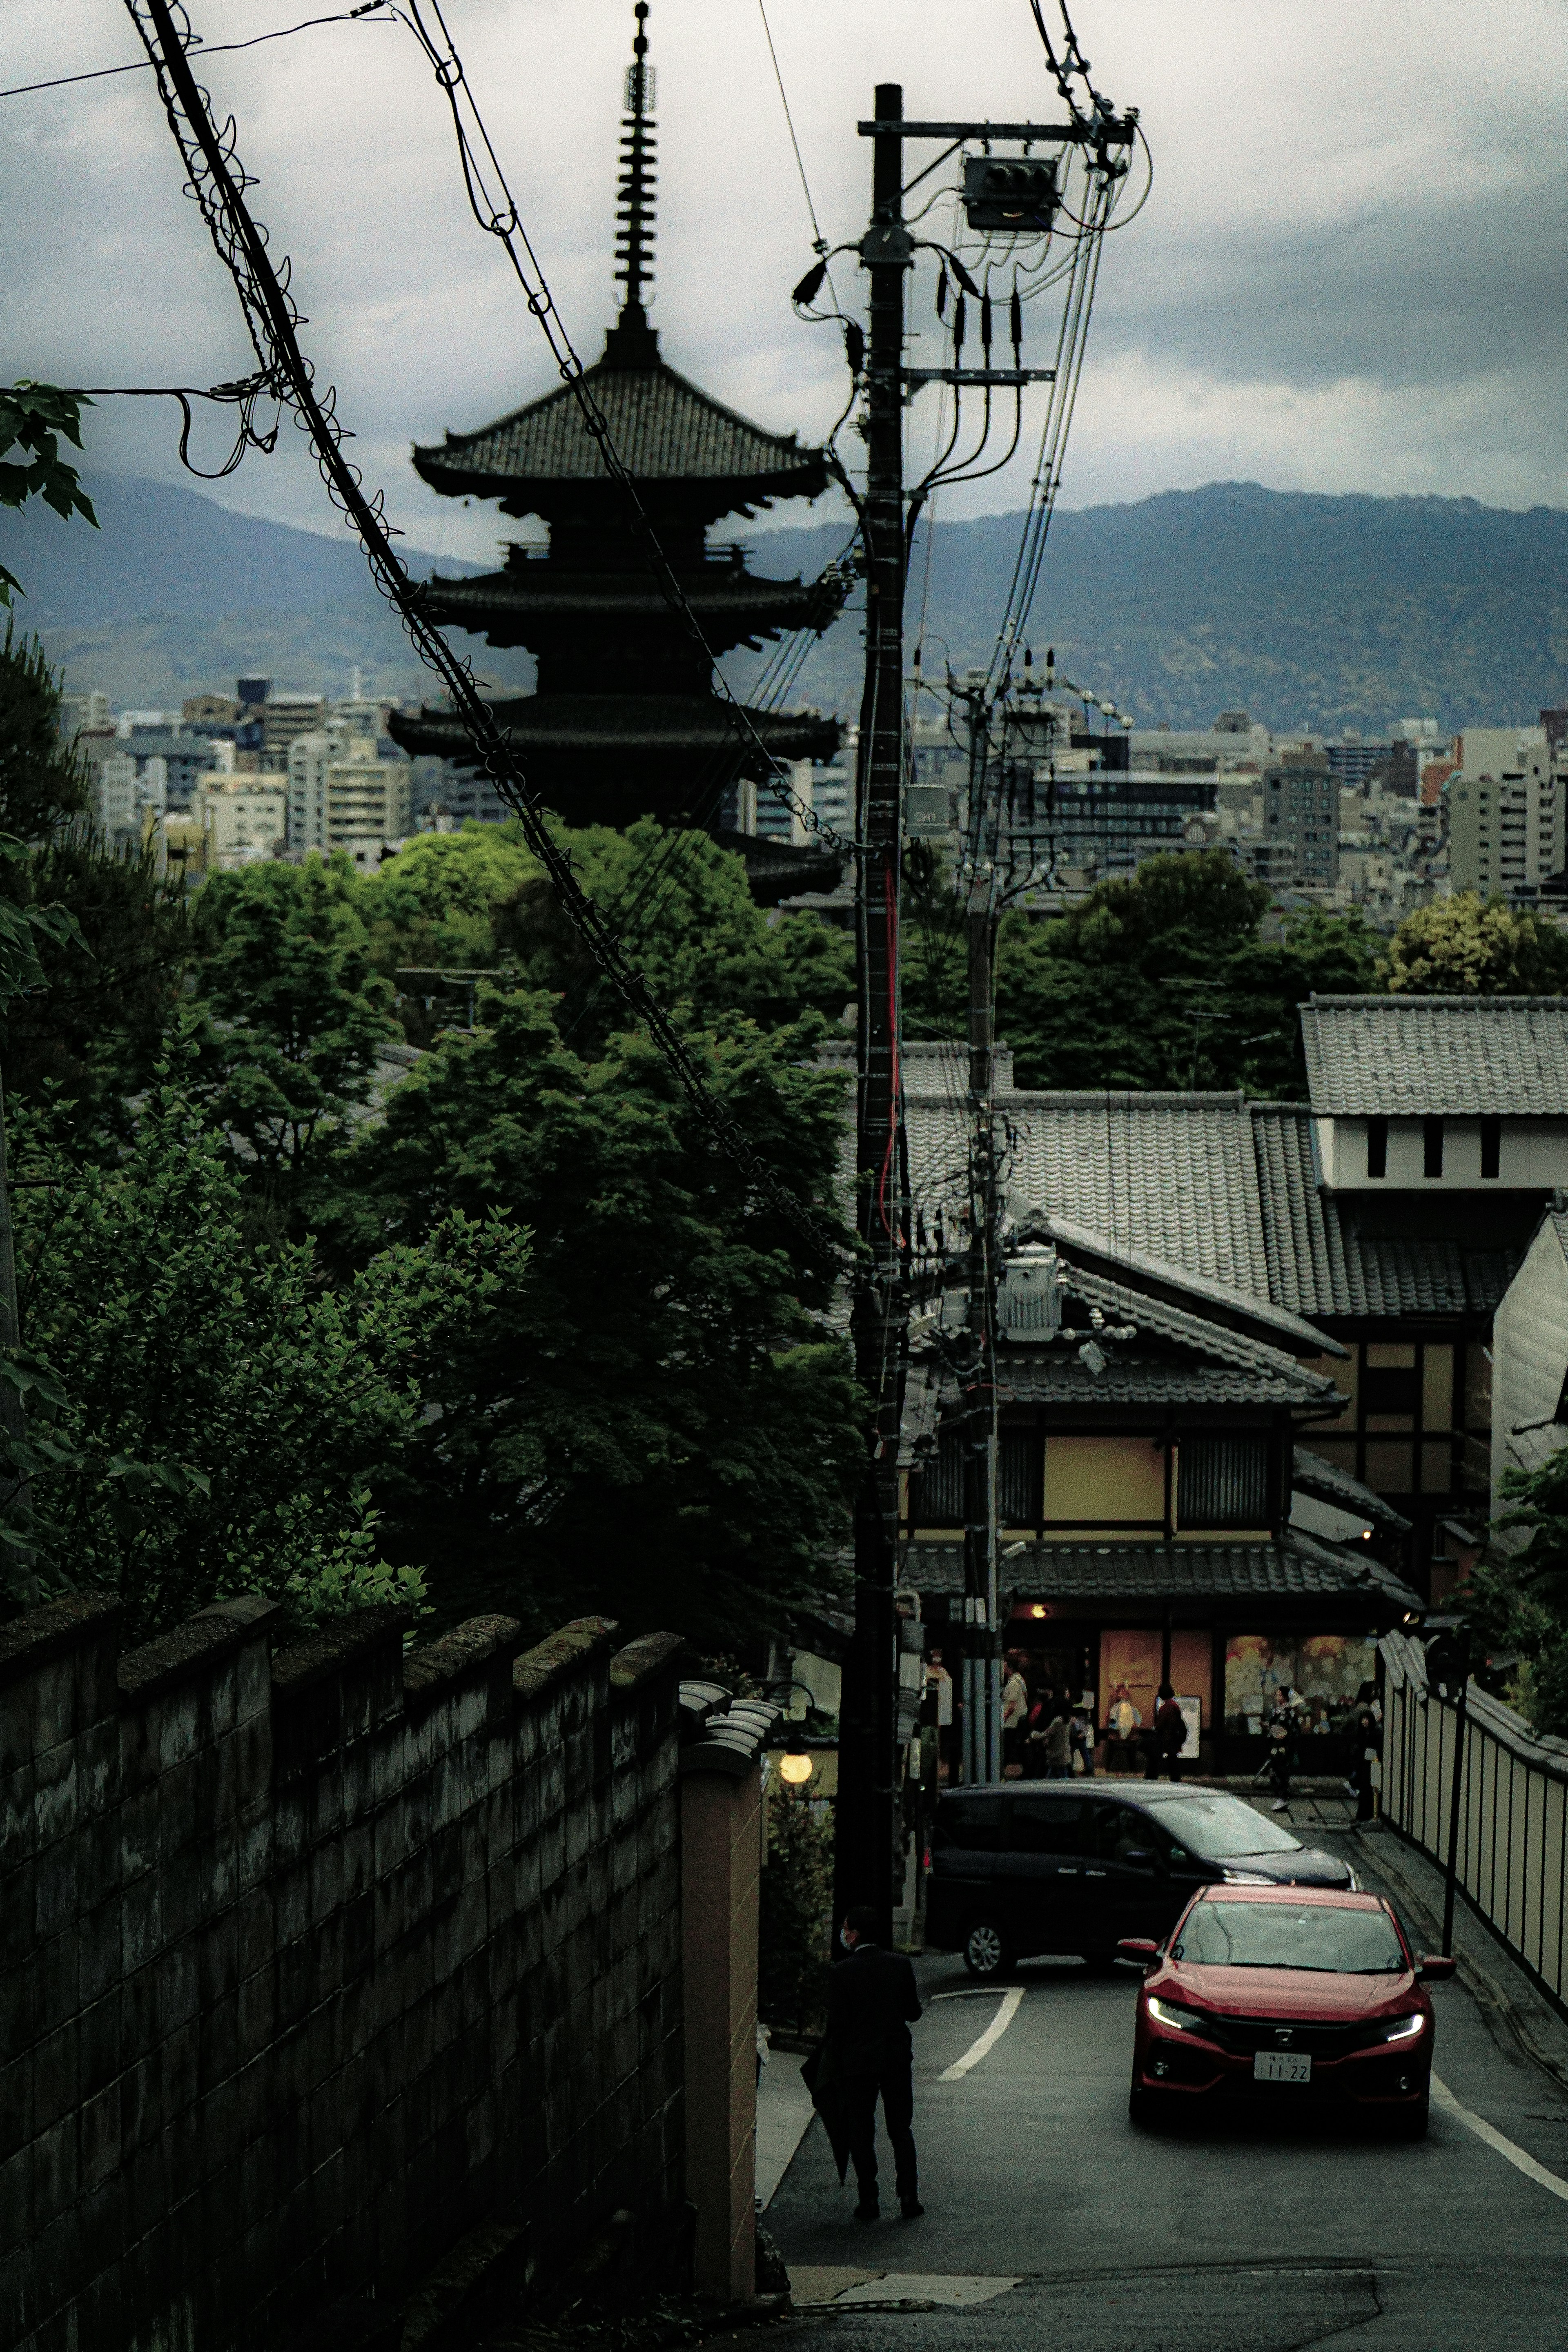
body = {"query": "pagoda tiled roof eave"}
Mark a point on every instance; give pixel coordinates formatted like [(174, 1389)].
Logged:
[(653, 722), (666, 430), (725, 590)]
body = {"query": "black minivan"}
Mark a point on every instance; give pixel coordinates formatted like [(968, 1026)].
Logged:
[(1033, 1867)]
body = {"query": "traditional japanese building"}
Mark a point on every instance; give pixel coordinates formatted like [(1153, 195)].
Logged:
[(625, 720)]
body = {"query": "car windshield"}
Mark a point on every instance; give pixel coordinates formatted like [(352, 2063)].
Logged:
[(1218, 1827), (1325, 1937)]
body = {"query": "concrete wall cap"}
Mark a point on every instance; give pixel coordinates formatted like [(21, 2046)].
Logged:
[(473, 1643), (651, 1654), (31, 1642), (303, 1664), (180, 1655), (570, 1646)]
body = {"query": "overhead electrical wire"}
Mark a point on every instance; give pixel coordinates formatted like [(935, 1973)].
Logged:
[(216, 181), (208, 49)]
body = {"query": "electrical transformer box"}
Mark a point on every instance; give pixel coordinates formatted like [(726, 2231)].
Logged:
[(1030, 1304), (1010, 195), (929, 812)]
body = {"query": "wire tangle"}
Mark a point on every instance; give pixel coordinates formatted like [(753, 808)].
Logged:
[(264, 384), (216, 181)]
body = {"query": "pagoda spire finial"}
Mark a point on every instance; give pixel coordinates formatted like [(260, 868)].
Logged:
[(632, 341)]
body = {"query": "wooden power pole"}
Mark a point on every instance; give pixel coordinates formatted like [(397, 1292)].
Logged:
[(867, 1777)]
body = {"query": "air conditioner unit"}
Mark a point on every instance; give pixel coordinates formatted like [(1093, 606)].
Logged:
[(1029, 1308)]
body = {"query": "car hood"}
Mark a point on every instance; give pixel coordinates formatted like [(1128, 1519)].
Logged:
[(1309, 1867), (1306, 1994)]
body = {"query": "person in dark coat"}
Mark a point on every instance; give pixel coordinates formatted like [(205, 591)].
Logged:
[(1169, 1737), (871, 2004)]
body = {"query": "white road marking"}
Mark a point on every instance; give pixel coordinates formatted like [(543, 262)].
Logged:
[(992, 2036), (920, 2286), (1444, 2098)]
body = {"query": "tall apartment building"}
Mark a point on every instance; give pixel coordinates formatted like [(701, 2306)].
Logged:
[(1506, 811), (80, 710), (342, 796), (1301, 807)]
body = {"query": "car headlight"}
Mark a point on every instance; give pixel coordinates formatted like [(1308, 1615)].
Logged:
[(1404, 2029), (1246, 1878), (1183, 2021)]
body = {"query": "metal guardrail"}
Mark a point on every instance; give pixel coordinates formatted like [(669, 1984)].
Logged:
[(1512, 1852)]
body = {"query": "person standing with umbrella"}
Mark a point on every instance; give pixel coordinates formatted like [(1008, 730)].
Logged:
[(867, 2054)]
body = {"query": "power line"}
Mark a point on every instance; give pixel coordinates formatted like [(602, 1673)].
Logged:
[(819, 243), (217, 48), (215, 180)]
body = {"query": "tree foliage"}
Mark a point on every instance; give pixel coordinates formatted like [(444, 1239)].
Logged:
[(296, 1013), (1464, 946), (33, 419), (657, 1423), (262, 1410), (109, 935), (1159, 982)]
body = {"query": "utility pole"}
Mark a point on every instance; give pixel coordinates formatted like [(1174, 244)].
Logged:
[(982, 1660), (868, 1781), (868, 1772)]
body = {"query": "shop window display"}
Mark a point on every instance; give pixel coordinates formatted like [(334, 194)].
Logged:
[(1325, 1671)]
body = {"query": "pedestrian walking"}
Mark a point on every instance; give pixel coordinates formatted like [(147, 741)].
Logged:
[(1168, 1737), (1281, 1737), (1014, 1706), (1368, 1744), (1080, 1735), (872, 2001), (1058, 1747)]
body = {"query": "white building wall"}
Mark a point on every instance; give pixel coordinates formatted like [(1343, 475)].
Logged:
[(1530, 1356), (1532, 1156)]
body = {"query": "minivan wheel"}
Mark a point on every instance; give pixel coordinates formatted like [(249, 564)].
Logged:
[(986, 1952)]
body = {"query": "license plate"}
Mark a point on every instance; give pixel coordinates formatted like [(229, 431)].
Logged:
[(1281, 2066)]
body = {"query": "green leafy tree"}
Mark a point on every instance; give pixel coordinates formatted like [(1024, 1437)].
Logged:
[(686, 916), (216, 1419), (658, 1425), (794, 1926), (434, 904), (33, 419), (1464, 946), (296, 1013), (1163, 981), (108, 932)]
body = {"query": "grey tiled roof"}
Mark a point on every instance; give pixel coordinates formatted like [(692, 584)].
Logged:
[(664, 428), (1170, 1174), (1295, 1567), (1414, 1056), (1312, 1475), (1224, 1367), (1201, 1294), (1320, 1261)]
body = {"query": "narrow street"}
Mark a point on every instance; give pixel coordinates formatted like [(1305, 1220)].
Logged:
[(1228, 2237)]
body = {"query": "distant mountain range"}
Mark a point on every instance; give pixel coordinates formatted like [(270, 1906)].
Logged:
[(1304, 609)]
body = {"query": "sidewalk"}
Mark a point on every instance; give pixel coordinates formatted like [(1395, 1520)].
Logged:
[(783, 2111)]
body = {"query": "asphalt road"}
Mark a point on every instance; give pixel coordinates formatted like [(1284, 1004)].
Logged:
[(1221, 2237)]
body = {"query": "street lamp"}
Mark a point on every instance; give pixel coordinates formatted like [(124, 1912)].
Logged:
[(796, 1766)]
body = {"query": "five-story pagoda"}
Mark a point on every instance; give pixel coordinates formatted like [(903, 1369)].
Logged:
[(625, 720)]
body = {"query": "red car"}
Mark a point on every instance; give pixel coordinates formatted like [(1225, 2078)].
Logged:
[(1285, 1998)]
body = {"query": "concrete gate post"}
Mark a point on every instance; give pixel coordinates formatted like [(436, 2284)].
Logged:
[(723, 1834)]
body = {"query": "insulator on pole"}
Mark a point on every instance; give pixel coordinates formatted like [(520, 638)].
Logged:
[(958, 324)]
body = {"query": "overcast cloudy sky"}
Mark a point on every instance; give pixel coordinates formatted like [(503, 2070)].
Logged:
[(1350, 275)]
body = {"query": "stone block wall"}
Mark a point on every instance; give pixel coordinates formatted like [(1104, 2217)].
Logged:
[(309, 1961)]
